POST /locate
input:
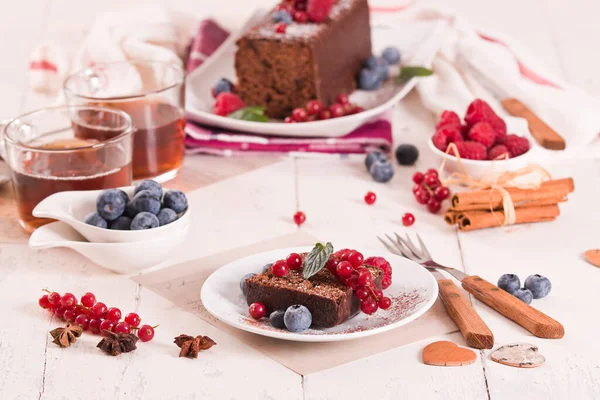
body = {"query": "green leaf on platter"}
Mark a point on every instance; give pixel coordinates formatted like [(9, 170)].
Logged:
[(316, 259), (252, 113), (408, 72)]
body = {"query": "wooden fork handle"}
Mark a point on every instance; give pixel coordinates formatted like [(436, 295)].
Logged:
[(511, 307), (474, 330)]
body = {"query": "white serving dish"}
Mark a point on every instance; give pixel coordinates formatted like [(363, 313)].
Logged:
[(418, 42), (221, 296), (72, 208)]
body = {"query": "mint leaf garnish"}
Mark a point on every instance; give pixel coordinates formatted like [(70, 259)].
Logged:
[(408, 72), (316, 259), (252, 113)]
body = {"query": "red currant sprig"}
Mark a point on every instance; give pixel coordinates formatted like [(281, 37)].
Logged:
[(315, 110), (428, 190)]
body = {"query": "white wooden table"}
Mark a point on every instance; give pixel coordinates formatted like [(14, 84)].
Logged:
[(563, 35)]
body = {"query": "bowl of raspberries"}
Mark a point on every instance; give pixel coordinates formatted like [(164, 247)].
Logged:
[(481, 140)]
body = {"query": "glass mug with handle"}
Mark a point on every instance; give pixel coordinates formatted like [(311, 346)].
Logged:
[(152, 93), (46, 155)]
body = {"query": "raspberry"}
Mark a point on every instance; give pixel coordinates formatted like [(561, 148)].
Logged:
[(483, 132), (499, 126), (440, 141), (227, 103), (516, 145), (471, 150), (379, 262), (451, 132), (318, 10), (479, 111), (448, 118), (498, 152), (464, 130)]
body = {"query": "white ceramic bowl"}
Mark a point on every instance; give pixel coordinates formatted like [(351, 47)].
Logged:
[(72, 208)]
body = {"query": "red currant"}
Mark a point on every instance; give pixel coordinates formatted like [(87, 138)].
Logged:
[(106, 325), (69, 315), (377, 293), (441, 193), (68, 300), (422, 196), (324, 114), (113, 314), (294, 261), (355, 258), (417, 188), (384, 303), (280, 27), (300, 17), (337, 110), (43, 302), (432, 171), (342, 98), (122, 327), (99, 310), (343, 254), (431, 180), (362, 293), (280, 268), (344, 269), (145, 333), (332, 264), (434, 206), (386, 281), (94, 325), (60, 311), (364, 277), (133, 319), (314, 107), (54, 299), (351, 282), (370, 198), (299, 114), (289, 120), (299, 218), (418, 177), (257, 310), (88, 299), (408, 219), (368, 306), (83, 321)]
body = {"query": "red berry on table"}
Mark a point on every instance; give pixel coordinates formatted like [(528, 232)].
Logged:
[(386, 281), (299, 114), (355, 258), (68, 300), (43, 302), (422, 196), (280, 268), (318, 10), (384, 303), (145, 333), (370, 198), (227, 102), (417, 188), (362, 293), (280, 27), (294, 261), (344, 269), (337, 110), (133, 319), (83, 321), (441, 193), (113, 314), (88, 299), (342, 98), (324, 114), (299, 218), (431, 180), (257, 310), (54, 299), (432, 171), (94, 325), (122, 327), (314, 107), (408, 219), (368, 306), (99, 310), (418, 177), (69, 315), (434, 206), (332, 264), (106, 325), (364, 277), (300, 17)]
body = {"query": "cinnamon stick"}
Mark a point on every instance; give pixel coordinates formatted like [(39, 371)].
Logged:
[(549, 192), (450, 216), (472, 220)]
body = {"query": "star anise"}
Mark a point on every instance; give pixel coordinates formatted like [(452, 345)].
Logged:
[(117, 343), (67, 335), (191, 346)]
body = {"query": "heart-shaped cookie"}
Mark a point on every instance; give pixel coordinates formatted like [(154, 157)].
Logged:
[(448, 354), (521, 355)]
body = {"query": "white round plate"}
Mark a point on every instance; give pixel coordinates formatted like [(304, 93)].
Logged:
[(413, 292)]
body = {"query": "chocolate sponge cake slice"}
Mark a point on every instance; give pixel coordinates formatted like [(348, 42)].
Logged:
[(329, 301), (283, 71)]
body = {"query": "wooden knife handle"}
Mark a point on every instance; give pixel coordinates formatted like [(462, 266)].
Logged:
[(511, 307), (474, 330), (547, 137)]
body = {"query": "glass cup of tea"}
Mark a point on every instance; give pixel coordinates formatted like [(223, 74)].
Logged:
[(66, 148), (152, 93)]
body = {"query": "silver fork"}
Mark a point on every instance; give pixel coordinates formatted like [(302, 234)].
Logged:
[(506, 304)]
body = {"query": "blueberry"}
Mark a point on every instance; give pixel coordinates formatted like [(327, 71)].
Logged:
[(524, 295), (282, 16), (224, 85), (166, 216), (144, 220), (151, 186), (129, 210), (276, 319), (123, 195), (144, 200), (122, 223), (510, 283), (369, 79), (371, 62), (95, 219), (539, 285), (391, 55), (372, 156), (382, 71), (247, 276), (176, 201), (382, 171), (406, 154), (297, 318), (110, 204)]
